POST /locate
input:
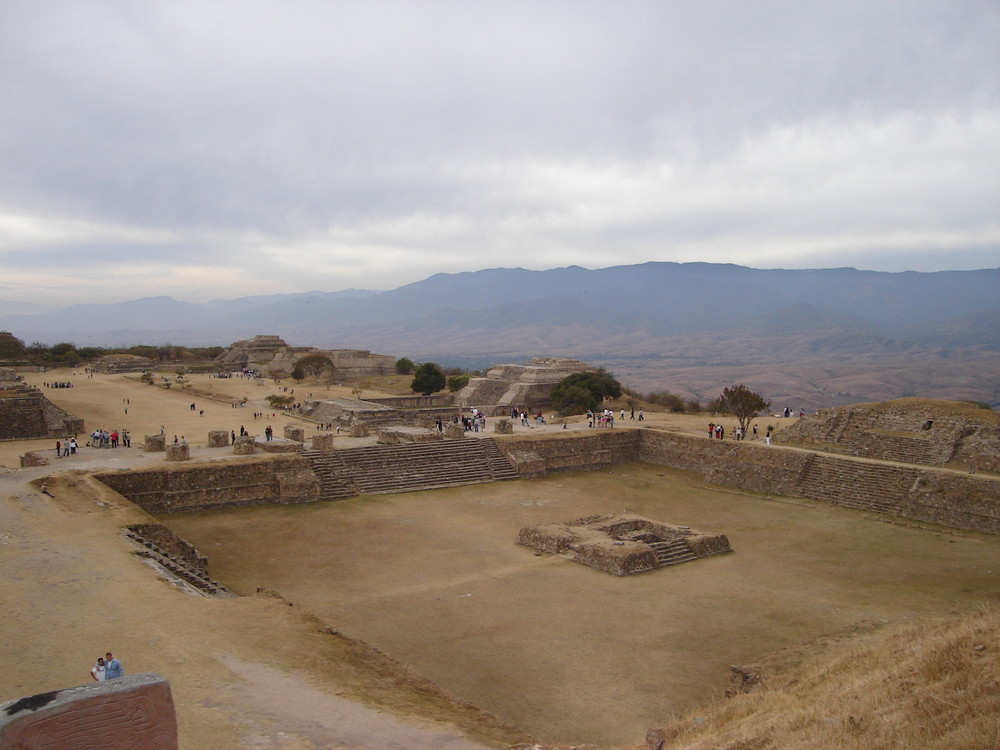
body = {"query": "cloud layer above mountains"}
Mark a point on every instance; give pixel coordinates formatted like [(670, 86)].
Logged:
[(219, 149)]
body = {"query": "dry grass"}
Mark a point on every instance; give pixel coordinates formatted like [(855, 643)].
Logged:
[(932, 684)]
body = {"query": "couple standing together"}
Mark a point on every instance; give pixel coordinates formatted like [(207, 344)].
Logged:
[(107, 668)]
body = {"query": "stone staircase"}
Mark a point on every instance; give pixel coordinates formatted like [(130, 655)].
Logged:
[(886, 447), (672, 552), (381, 469), (857, 484), (187, 573)]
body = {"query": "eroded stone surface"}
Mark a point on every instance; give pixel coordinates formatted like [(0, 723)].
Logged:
[(135, 711)]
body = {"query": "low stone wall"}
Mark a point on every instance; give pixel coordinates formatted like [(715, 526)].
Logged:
[(965, 502), (726, 462), (415, 402), (211, 485), (574, 452)]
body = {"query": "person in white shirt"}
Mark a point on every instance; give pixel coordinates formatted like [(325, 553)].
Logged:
[(98, 671)]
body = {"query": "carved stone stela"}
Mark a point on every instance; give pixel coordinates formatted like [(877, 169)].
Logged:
[(127, 713)]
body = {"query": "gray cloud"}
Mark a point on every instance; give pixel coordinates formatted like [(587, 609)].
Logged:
[(320, 144)]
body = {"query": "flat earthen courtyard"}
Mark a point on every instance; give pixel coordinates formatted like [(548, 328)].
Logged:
[(570, 654)]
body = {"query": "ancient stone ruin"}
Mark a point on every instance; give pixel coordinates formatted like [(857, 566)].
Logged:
[(114, 363), (623, 544), (273, 357), (135, 711), (373, 414), (909, 430), (25, 413), (528, 385)]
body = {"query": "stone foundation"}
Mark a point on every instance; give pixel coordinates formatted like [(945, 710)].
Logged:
[(278, 445), (33, 458), (135, 711), (244, 445), (503, 427), (295, 433), (323, 442), (218, 439), (454, 431), (359, 430), (154, 443), (623, 544), (178, 452), (402, 435)]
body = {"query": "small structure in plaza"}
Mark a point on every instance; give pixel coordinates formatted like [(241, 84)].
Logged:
[(623, 543)]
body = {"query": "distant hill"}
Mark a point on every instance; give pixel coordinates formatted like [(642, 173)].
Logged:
[(809, 337)]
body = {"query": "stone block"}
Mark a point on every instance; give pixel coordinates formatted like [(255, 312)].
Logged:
[(218, 439), (453, 430), (178, 452), (389, 437), (323, 442), (359, 430), (33, 459), (129, 712), (295, 433), (279, 445), (503, 427), (154, 443), (245, 445)]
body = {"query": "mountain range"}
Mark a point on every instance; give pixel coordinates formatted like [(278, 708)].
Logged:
[(804, 338)]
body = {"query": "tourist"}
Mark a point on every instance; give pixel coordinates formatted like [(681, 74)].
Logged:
[(640, 415), (98, 671), (72, 446), (755, 432), (767, 436), (58, 449), (112, 667), (268, 432)]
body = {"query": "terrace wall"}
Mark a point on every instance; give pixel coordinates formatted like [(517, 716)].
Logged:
[(275, 479)]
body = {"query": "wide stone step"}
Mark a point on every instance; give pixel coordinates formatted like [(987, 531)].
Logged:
[(405, 468), (672, 552)]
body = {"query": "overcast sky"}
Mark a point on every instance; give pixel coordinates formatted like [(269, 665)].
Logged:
[(220, 149)]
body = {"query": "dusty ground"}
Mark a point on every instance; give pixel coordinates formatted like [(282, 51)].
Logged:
[(435, 581), (571, 654)]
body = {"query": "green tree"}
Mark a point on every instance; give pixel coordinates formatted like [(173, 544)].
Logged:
[(298, 374), (428, 379), (11, 346), (457, 382), (316, 365), (404, 366), (581, 391), (742, 403), (277, 401)]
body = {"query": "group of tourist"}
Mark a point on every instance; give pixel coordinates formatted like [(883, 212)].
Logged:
[(66, 448), (246, 372), (114, 439), (718, 432), (107, 668), (475, 422), (605, 419), (59, 384)]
